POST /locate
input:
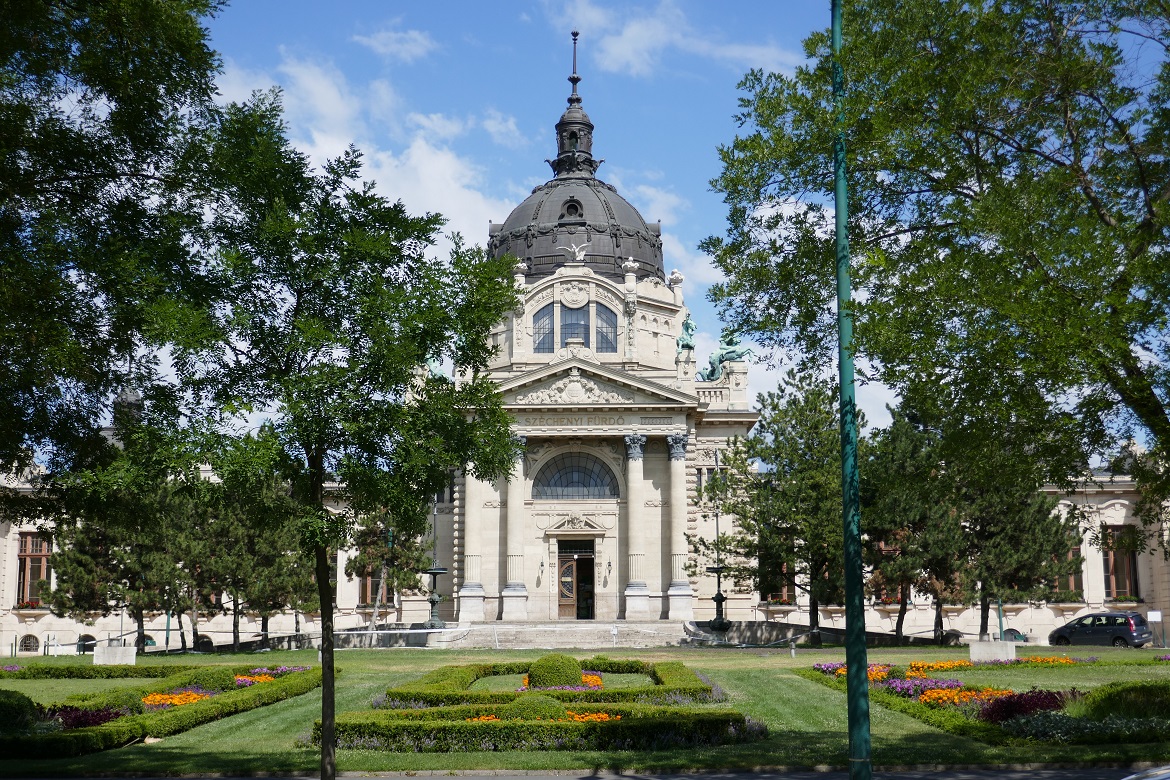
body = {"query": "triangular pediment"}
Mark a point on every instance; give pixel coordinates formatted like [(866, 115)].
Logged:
[(577, 383)]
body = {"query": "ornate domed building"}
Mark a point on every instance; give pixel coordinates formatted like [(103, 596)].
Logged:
[(598, 370)]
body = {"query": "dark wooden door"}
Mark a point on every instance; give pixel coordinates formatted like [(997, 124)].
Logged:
[(567, 588)]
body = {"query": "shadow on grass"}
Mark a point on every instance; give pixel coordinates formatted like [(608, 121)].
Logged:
[(784, 749)]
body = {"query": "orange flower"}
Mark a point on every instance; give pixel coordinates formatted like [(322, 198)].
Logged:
[(938, 697), (174, 699), (482, 719), (925, 668), (590, 717)]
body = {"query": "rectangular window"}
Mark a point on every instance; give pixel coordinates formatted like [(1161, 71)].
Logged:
[(1071, 583), (1120, 568), (372, 588), (32, 567), (606, 329), (574, 324), (542, 330)]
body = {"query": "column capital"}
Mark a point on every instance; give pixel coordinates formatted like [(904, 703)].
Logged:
[(678, 445), (635, 444)]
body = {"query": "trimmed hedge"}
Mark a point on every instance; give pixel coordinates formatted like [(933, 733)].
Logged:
[(447, 729), (448, 685), (160, 723), (78, 672), (1129, 699)]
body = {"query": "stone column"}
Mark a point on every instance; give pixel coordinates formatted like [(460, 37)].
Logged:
[(637, 594), (515, 594), (471, 593), (679, 594)]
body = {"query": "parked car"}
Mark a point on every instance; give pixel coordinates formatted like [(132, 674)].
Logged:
[(1120, 629)]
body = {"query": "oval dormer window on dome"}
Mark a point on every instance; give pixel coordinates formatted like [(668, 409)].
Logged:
[(571, 210)]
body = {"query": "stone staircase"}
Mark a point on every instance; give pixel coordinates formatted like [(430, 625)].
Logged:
[(583, 635)]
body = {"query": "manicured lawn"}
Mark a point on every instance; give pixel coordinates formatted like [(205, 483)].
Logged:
[(49, 691), (807, 721)]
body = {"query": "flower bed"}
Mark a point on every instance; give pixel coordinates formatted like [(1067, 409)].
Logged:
[(449, 685), (92, 722), (438, 713), (999, 716)]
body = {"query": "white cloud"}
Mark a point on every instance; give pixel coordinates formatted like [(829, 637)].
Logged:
[(427, 177), (657, 203), (321, 106), (439, 126), (697, 267), (236, 84), (637, 42), (404, 45), (502, 129)]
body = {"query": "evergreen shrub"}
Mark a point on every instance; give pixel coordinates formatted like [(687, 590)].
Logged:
[(17, 711), (554, 670)]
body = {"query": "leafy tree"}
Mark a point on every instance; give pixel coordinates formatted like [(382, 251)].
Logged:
[(904, 507), (1009, 180), (1018, 546), (97, 99), (391, 543), (782, 485), (118, 524), (331, 309)]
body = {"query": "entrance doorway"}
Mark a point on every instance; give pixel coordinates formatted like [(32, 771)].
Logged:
[(575, 579)]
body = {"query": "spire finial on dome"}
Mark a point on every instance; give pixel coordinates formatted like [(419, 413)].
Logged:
[(574, 79), (574, 134)]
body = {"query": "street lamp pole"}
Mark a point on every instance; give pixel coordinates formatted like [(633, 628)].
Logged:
[(857, 666), (434, 598), (720, 623)]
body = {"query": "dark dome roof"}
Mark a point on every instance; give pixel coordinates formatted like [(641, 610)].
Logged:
[(576, 210)]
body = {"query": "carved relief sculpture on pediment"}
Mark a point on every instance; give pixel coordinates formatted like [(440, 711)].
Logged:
[(571, 521), (575, 389)]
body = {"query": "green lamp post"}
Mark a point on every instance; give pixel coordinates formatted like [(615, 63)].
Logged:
[(856, 677)]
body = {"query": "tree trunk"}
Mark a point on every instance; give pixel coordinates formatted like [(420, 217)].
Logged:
[(235, 624), (195, 629), (984, 609), (182, 636), (264, 631), (378, 600), (938, 622), (903, 603), (140, 637), (814, 621), (328, 729)]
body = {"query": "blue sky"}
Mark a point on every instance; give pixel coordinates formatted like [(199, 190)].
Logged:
[(453, 102)]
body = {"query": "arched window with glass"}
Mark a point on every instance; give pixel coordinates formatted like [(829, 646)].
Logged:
[(575, 475), (574, 325), (606, 329), (595, 324), (543, 339)]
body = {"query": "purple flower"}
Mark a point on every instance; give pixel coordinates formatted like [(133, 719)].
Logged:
[(12, 668), (914, 687), (829, 669)]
